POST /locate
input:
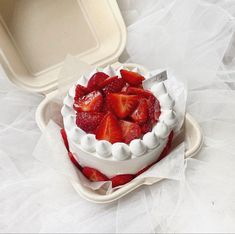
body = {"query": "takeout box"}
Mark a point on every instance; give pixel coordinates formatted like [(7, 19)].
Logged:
[(35, 37)]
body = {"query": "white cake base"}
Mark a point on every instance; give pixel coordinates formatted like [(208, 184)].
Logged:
[(111, 168)]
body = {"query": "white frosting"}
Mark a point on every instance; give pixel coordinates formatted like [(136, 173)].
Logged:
[(82, 80), (166, 101), (121, 68), (72, 91), (161, 130), (169, 118), (76, 134), (88, 142), (121, 151), (136, 69), (104, 148), (137, 147), (68, 100), (151, 140), (69, 122), (66, 110), (158, 89), (109, 70)]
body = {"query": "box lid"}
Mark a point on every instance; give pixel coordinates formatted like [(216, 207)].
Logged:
[(35, 37)]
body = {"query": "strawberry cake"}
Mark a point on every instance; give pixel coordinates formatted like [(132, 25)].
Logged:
[(114, 128)]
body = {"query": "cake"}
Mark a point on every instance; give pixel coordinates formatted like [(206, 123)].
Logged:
[(116, 125)]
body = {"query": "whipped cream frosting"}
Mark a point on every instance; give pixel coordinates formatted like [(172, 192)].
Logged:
[(121, 151), (104, 148), (88, 142), (161, 130), (151, 141), (137, 147)]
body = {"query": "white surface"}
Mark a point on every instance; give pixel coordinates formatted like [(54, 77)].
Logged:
[(34, 198)]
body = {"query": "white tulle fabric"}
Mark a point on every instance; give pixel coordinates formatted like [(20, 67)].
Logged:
[(195, 40)]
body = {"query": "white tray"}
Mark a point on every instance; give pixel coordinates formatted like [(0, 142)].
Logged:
[(194, 139)]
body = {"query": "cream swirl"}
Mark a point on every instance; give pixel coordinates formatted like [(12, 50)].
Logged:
[(161, 130), (88, 142), (158, 89), (137, 147), (151, 140), (104, 148), (120, 151), (166, 101)]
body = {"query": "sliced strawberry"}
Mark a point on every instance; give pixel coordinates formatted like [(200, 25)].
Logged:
[(130, 131), (146, 127), (108, 81), (154, 109), (133, 78), (90, 102), (80, 91), (122, 104), (89, 121), (140, 115), (106, 106), (96, 80), (125, 88), (74, 161), (93, 174), (115, 86), (121, 179), (109, 129), (139, 91), (65, 139)]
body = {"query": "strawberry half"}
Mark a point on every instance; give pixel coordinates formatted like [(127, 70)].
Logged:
[(122, 104), (89, 121), (114, 86), (121, 179), (133, 78), (80, 91), (93, 174), (130, 131), (90, 102), (154, 109), (96, 80), (140, 115), (74, 161), (139, 91), (109, 129), (65, 139)]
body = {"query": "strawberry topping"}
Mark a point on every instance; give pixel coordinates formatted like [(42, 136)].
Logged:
[(154, 109), (122, 104), (130, 131), (109, 129), (139, 91), (80, 91), (90, 102), (133, 78), (115, 86), (96, 80), (140, 115), (89, 121)]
